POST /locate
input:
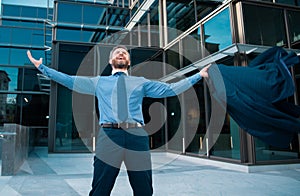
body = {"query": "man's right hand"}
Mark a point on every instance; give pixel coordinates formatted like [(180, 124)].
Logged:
[(33, 60)]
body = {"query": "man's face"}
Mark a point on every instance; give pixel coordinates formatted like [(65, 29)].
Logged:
[(120, 59)]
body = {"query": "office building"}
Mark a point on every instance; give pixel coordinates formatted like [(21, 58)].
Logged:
[(168, 40)]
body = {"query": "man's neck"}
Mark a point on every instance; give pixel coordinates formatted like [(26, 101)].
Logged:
[(119, 70)]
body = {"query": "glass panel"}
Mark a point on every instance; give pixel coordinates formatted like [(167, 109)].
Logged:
[(217, 32), (28, 12), (156, 133), (71, 136), (258, 28), (68, 35), (293, 21), (31, 82), (5, 35), (180, 16), (10, 10), (228, 142), (94, 15), (69, 13), (21, 36), (195, 126), (175, 129), (204, 8), (35, 109), (191, 48), (289, 2), (117, 17), (4, 55), (9, 109), (11, 79), (172, 59), (265, 152), (42, 13), (19, 57), (37, 38)]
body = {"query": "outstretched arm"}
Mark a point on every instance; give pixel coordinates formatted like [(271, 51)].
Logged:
[(86, 85)]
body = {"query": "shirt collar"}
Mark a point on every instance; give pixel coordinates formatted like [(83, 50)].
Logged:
[(115, 71)]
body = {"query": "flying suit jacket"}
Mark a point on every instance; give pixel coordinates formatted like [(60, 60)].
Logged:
[(254, 96)]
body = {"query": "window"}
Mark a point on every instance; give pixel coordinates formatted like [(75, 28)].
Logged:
[(217, 32), (264, 26)]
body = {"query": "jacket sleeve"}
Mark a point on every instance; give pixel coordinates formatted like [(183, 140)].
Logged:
[(156, 89), (85, 85)]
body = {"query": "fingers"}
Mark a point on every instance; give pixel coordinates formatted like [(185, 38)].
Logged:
[(35, 62)]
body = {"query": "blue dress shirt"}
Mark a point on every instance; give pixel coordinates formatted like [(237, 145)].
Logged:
[(104, 88)]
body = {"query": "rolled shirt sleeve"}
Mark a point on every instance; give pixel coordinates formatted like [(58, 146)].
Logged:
[(81, 84)]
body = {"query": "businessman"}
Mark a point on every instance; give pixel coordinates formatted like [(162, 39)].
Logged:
[(121, 137)]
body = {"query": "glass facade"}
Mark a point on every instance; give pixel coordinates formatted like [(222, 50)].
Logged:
[(168, 37), (23, 100)]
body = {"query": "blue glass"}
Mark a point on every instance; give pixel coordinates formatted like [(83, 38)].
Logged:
[(68, 35), (11, 79), (30, 12), (18, 57), (21, 36), (42, 13), (5, 35), (11, 10), (69, 13), (217, 32), (94, 15), (4, 54), (37, 37)]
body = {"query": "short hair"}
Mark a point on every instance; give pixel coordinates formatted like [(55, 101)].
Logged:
[(115, 48)]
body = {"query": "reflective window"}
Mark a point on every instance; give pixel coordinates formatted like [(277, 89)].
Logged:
[(217, 32), (191, 48), (172, 59), (180, 16), (294, 29), (28, 12), (289, 2), (11, 79), (35, 109), (31, 80), (71, 136), (9, 109), (117, 17), (11, 10), (175, 129), (194, 116), (4, 55), (264, 26), (69, 13), (23, 11), (5, 35), (94, 15)]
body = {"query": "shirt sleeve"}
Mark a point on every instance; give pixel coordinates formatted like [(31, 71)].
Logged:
[(81, 84), (156, 89)]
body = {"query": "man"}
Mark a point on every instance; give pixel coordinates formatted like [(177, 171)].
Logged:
[(121, 137)]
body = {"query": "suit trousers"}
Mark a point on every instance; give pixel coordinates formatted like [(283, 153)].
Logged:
[(115, 146)]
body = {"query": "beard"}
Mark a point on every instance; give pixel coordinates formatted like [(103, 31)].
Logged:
[(120, 65)]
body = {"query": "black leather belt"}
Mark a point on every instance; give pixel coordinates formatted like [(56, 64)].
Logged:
[(121, 125)]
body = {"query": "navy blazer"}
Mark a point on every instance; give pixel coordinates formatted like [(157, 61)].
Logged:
[(255, 95)]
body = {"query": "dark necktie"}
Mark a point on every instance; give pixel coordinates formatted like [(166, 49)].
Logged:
[(122, 98)]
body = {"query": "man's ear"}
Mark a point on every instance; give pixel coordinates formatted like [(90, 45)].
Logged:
[(110, 61)]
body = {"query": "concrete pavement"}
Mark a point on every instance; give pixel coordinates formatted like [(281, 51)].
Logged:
[(176, 175)]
